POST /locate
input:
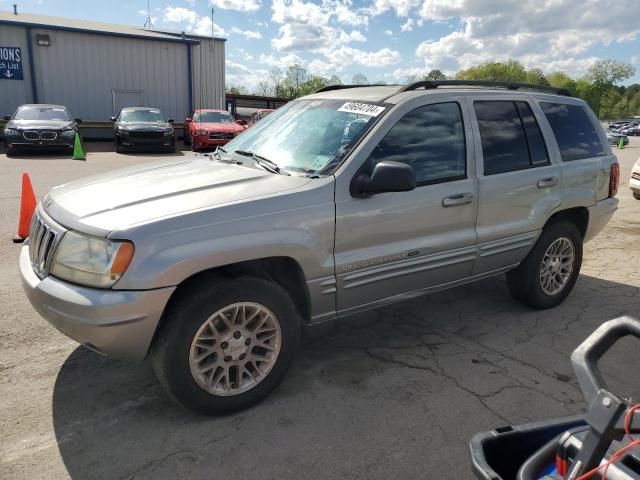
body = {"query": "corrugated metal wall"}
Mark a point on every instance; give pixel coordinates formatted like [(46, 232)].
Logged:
[(15, 92), (81, 71), (208, 82)]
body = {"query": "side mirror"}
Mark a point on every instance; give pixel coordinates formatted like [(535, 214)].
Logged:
[(170, 120), (241, 122), (78, 120), (387, 176), (7, 117), (187, 120), (113, 119)]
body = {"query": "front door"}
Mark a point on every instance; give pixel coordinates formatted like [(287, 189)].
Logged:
[(394, 245)]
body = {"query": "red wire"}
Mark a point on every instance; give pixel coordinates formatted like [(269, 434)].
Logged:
[(616, 456)]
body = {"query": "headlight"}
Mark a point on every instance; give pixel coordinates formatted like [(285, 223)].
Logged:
[(167, 133), (68, 133), (11, 131), (92, 261), (200, 132), (124, 133)]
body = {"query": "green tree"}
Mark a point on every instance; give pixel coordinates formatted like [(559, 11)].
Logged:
[(607, 103), (435, 75), (312, 84), (334, 80), (621, 108), (562, 80), (634, 104), (535, 76), (510, 71), (604, 75), (586, 91), (237, 90), (359, 79)]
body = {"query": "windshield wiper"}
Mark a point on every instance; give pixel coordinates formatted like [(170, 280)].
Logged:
[(220, 158), (264, 162)]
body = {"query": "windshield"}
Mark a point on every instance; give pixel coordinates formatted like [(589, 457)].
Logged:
[(213, 117), (142, 116), (308, 135), (42, 113)]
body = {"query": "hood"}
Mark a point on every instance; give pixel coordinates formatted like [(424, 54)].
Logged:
[(128, 197), (219, 127), (134, 126), (40, 124)]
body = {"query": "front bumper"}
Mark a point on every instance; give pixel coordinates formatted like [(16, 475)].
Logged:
[(599, 216), (634, 184), (15, 141), (204, 141), (149, 143), (118, 323)]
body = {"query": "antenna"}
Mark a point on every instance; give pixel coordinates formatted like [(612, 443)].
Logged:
[(212, 35), (148, 23)]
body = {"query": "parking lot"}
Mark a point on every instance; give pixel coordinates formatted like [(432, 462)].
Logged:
[(396, 392)]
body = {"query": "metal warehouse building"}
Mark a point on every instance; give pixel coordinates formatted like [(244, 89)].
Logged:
[(97, 68)]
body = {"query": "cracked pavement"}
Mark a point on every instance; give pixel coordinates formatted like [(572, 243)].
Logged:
[(394, 392)]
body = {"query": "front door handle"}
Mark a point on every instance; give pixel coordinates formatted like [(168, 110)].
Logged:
[(457, 199), (547, 182)]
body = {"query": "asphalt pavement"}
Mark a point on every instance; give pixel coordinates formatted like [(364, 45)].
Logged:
[(393, 393)]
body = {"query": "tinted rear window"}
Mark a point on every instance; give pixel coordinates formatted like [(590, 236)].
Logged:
[(575, 133)]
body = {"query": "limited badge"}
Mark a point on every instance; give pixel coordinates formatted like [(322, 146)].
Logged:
[(362, 109)]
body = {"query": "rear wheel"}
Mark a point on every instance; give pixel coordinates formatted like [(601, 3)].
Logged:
[(185, 138), (636, 195), (226, 346), (549, 272)]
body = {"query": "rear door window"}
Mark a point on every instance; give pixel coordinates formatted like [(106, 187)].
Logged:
[(575, 133), (510, 135)]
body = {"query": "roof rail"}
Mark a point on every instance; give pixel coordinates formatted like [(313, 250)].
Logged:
[(432, 84), (328, 88)]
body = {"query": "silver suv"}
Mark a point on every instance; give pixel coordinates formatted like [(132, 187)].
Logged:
[(339, 202)]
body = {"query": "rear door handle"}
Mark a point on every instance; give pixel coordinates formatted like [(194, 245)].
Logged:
[(457, 199), (547, 182)]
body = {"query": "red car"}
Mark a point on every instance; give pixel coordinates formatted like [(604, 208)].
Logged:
[(259, 115), (208, 128)]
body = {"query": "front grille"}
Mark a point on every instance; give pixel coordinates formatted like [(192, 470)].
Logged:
[(221, 135), (48, 136), (29, 135), (635, 175), (135, 134), (33, 135), (43, 240)]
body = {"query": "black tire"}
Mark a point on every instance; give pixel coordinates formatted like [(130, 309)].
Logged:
[(10, 151), (185, 138), (193, 147), (524, 281), (636, 195), (184, 317)]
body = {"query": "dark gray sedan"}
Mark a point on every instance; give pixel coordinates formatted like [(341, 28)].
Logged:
[(40, 127), (614, 138), (143, 128)]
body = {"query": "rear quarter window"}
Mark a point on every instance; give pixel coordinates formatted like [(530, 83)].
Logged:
[(576, 134)]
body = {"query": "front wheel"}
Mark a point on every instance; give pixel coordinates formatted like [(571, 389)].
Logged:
[(636, 195), (226, 346), (549, 272)]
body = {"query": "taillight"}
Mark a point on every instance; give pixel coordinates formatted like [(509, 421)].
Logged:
[(614, 180)]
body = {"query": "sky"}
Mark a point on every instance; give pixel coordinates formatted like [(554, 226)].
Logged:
[(386, 40)]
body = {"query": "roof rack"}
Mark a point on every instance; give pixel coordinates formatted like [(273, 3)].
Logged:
[(432, 84), (328, 88)]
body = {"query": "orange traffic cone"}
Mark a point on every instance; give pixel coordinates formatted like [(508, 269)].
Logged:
[(27, 207)]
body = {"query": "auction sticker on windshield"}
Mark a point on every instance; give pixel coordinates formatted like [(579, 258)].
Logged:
[(362, 109)]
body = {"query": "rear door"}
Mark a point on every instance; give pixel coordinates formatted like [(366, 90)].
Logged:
[(519, 182), (396, 244)]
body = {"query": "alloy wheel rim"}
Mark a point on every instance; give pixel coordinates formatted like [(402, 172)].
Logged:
[(557, 266), (235, 349)]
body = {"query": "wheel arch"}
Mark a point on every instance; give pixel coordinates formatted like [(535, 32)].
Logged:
[(283, 270), (579, 216)]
